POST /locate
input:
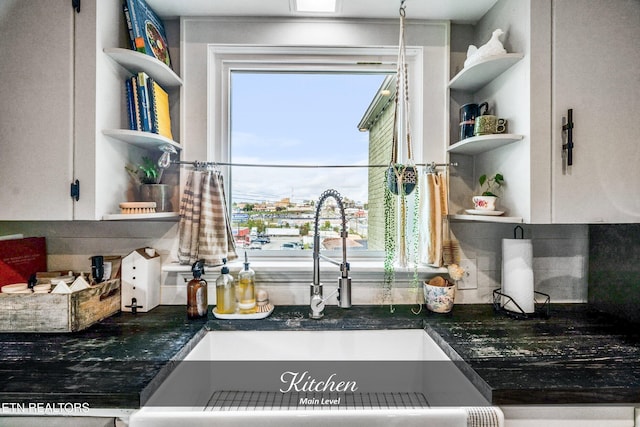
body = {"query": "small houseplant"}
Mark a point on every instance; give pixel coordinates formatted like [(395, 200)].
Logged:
[(146, 177), (489, 186), (151, 172)]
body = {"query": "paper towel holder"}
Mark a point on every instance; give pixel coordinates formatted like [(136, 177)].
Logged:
[(541, 309), (515, 232)]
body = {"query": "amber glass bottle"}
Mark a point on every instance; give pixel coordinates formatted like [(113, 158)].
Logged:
[(197, 292)]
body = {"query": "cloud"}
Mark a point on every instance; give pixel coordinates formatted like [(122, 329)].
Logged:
[(246, 141), (256, 184)]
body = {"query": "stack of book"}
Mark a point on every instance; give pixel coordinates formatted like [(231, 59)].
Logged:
[(148, 105), (147, 101)]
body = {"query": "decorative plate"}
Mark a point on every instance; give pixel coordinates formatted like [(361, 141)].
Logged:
[(483, 212), (257, 315)]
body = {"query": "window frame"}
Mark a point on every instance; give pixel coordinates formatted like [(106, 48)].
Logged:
[(223, 59)]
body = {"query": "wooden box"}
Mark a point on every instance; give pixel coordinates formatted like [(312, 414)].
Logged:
[(59, 312)]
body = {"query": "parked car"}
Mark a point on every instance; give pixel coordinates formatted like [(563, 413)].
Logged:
[(291, 246), (261, 238)]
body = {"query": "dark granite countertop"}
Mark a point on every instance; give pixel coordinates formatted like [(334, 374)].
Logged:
[(575, 357), (116, 363)]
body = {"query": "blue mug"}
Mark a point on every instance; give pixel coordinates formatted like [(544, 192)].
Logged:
[(468, 114)]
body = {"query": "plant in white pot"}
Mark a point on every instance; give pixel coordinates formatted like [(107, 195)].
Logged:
[(147, 176), (487, 199)]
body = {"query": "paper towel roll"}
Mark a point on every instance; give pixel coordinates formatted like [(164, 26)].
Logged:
[(517, 274)]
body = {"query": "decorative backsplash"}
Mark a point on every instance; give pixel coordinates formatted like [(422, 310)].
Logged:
[(560, 253), (614, 269)]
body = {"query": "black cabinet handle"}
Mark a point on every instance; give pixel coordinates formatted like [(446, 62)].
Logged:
[(568, 128)]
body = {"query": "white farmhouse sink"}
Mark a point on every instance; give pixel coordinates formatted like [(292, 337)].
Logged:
[(315, 378), (387, 344)]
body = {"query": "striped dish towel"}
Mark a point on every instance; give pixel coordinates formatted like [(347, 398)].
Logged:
[(205, 230), (488, 416), (433, 210)]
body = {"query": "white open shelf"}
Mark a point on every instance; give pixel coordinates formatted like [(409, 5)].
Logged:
[(487, 218), (147, 216), (141, 139), (479, 74), (136, 62), (483, 143)]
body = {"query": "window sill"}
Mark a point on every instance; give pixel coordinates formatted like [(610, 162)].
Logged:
[(287, 280), (287, 265)]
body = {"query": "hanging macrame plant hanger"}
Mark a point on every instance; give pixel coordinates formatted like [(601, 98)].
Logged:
[(401, 178)]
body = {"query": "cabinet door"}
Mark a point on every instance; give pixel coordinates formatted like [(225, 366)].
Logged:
[(36, 109), (596, 72)]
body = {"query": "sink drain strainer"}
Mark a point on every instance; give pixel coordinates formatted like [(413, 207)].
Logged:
[(269, 401)]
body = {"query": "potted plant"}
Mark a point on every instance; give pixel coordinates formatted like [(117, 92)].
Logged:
[(439, 294), (487, 199), (146, 177)]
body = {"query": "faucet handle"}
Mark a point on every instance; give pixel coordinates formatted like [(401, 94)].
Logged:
[(317, 307), (344, 292)]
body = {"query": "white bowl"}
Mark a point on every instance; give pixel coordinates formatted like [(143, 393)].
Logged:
[(44, 287), (15, 287)]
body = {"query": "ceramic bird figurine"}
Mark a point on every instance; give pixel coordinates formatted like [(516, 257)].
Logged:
[(491, 48)]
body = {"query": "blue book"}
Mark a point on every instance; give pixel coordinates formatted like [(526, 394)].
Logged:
[(127, 17), (148, 34), (131, 107), (152, 106), (143, 102)]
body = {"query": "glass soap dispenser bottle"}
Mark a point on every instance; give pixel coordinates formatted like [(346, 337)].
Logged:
[(245, 289), (197, 292), (225, 291)]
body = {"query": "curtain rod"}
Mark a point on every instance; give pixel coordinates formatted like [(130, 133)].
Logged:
[(264, 165)]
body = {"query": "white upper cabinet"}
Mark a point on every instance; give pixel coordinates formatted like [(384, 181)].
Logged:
[(36, 109), (596, 73)]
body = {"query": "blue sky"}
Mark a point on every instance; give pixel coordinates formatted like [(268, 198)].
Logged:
[(299, 119)]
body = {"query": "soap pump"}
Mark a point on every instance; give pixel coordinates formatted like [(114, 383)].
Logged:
[(225, 291), (245, 290), (197, 292)]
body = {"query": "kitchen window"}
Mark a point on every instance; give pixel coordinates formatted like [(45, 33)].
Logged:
[(298, 119), (276, 216)]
